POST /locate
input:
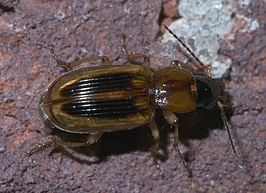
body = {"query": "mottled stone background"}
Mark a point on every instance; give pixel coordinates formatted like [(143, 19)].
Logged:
[(121, 162)]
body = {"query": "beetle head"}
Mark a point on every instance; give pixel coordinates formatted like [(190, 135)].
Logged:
[(210, 90)]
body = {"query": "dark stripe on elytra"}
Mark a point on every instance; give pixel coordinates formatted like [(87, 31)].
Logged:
[(87, 88), (98, 84), (100, 108)]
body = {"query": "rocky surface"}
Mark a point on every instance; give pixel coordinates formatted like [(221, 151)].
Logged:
[(121, 162)]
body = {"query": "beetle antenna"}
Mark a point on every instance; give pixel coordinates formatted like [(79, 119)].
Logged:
[(226, 124), (184, 45)]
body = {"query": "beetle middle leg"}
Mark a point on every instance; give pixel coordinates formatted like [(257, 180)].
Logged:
[(172, 119), (156, 136), (69, 65), (132, 58)]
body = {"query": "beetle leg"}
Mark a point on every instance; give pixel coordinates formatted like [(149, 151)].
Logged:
[(154, 150), (105, 61), (56, 141), (70, 65), (42, 147), (179, 64), (91, 138), (156, 136), (172, 119), (132, 58)]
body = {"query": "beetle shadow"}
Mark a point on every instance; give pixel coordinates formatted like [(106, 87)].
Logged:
[(193, 125), (199, 123), (111, 144)]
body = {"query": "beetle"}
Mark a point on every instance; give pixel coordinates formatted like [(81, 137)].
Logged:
[(107, 98)]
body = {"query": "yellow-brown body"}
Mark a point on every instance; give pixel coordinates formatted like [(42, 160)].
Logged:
[(106, 98), (109, 98)]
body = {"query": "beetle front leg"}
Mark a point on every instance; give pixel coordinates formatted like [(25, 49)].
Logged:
[(154, 150), (70, 65), (172, 119), (179, 64)]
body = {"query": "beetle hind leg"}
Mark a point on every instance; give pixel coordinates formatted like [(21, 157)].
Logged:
[(58, 142), (69, 65), (90, 139), (42, 147)]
